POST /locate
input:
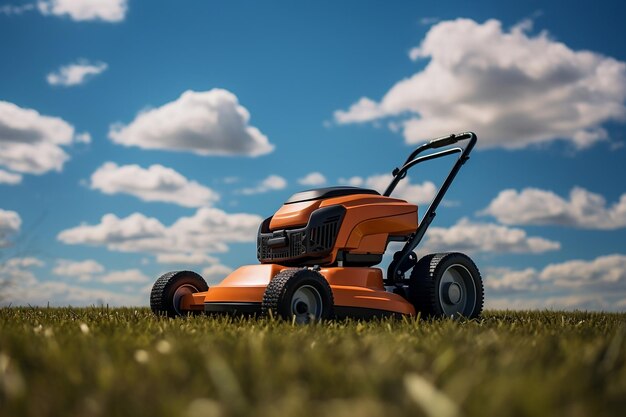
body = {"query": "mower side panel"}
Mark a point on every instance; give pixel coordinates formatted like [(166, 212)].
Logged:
[(355, 290), (362, 289), (245, 284)]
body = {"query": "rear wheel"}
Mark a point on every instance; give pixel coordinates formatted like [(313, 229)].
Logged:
[(300, 293), (170, 288), (446, 285)]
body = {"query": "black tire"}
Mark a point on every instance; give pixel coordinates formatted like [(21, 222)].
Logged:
[(446, 285), (300, 293), (168, 289)]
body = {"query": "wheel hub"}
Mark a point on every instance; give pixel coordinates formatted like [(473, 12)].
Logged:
[(454, 293), (306, 304), (301, 307)]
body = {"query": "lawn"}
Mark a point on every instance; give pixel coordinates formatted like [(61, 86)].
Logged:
[(114, 362)]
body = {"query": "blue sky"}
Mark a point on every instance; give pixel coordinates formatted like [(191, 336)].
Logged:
[(136, 134)]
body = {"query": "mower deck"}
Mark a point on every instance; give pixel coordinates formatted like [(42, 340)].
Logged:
[(357, 292)]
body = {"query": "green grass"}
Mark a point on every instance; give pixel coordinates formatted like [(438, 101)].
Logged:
[(101, 362)]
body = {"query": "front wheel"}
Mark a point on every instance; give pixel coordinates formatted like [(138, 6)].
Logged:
[(169, 289), (302, 294), (446, 285)]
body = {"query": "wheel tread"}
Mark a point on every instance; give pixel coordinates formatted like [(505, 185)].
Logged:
[(278, 286), (423, 291), (159, 296)]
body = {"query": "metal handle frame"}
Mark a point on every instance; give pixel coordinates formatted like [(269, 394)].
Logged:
[(405, 259)]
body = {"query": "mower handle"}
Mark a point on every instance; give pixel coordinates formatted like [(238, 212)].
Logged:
[(405, 259)]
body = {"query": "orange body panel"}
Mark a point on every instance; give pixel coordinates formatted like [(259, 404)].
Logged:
[(367, 224), (351, 287), (294, 215)]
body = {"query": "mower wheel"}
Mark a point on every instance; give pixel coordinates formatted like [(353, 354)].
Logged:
[(170, 288), (446, 285), (300, 293)]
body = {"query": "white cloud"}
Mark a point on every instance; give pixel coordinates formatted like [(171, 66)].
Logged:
[(9, 9), (584, 209), (20, 286), (79, 10), (56, 293), (196, 258), (597, 284), (26, 262), (466, 236), (10, 223), (603, 271), (82, 270), (505, 280), (271, 183), (129, 276), (9, 177), (215, 273), (597, 302), (90, 270), (512, 88), (76, 73), (208, 230), (156, 183), (16, 273), (206, 123), (31, 142), (313, 179), (414, 193)]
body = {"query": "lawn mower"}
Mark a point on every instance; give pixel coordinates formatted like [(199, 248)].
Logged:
[(318, 251)]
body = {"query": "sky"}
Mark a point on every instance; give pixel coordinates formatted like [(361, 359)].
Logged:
[(142, 137)]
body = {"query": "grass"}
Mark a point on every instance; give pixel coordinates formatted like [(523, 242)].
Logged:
[(117, 362)]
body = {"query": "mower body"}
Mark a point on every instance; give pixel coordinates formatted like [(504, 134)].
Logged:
[(340, 232)]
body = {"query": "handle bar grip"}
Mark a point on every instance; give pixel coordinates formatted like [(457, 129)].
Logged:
[(444, 141)]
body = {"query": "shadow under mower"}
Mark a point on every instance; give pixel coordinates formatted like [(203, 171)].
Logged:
[(317, 255)]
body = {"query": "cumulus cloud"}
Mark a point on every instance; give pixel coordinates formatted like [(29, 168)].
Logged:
[(505, 280), (9, 177), (514, 89), (313, 179), (156, 183), (129, 276), (467, 236), (76, 73), (90, 270), (197, 258), (26, 262), (10, 223), (31, 142), (584, 209), (414, 193), (81, 270), (80, 10), (57, 293), (597, 284), (206, 123), (271, 183), (208, 230), (21, 286), (17, 273), (9, 9), (603, 271)]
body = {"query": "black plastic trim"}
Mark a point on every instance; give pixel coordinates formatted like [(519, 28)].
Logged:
[(309, 245), (232, 308), (328, 192)]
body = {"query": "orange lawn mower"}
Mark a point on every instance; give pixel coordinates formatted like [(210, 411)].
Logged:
[(317, 255)]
